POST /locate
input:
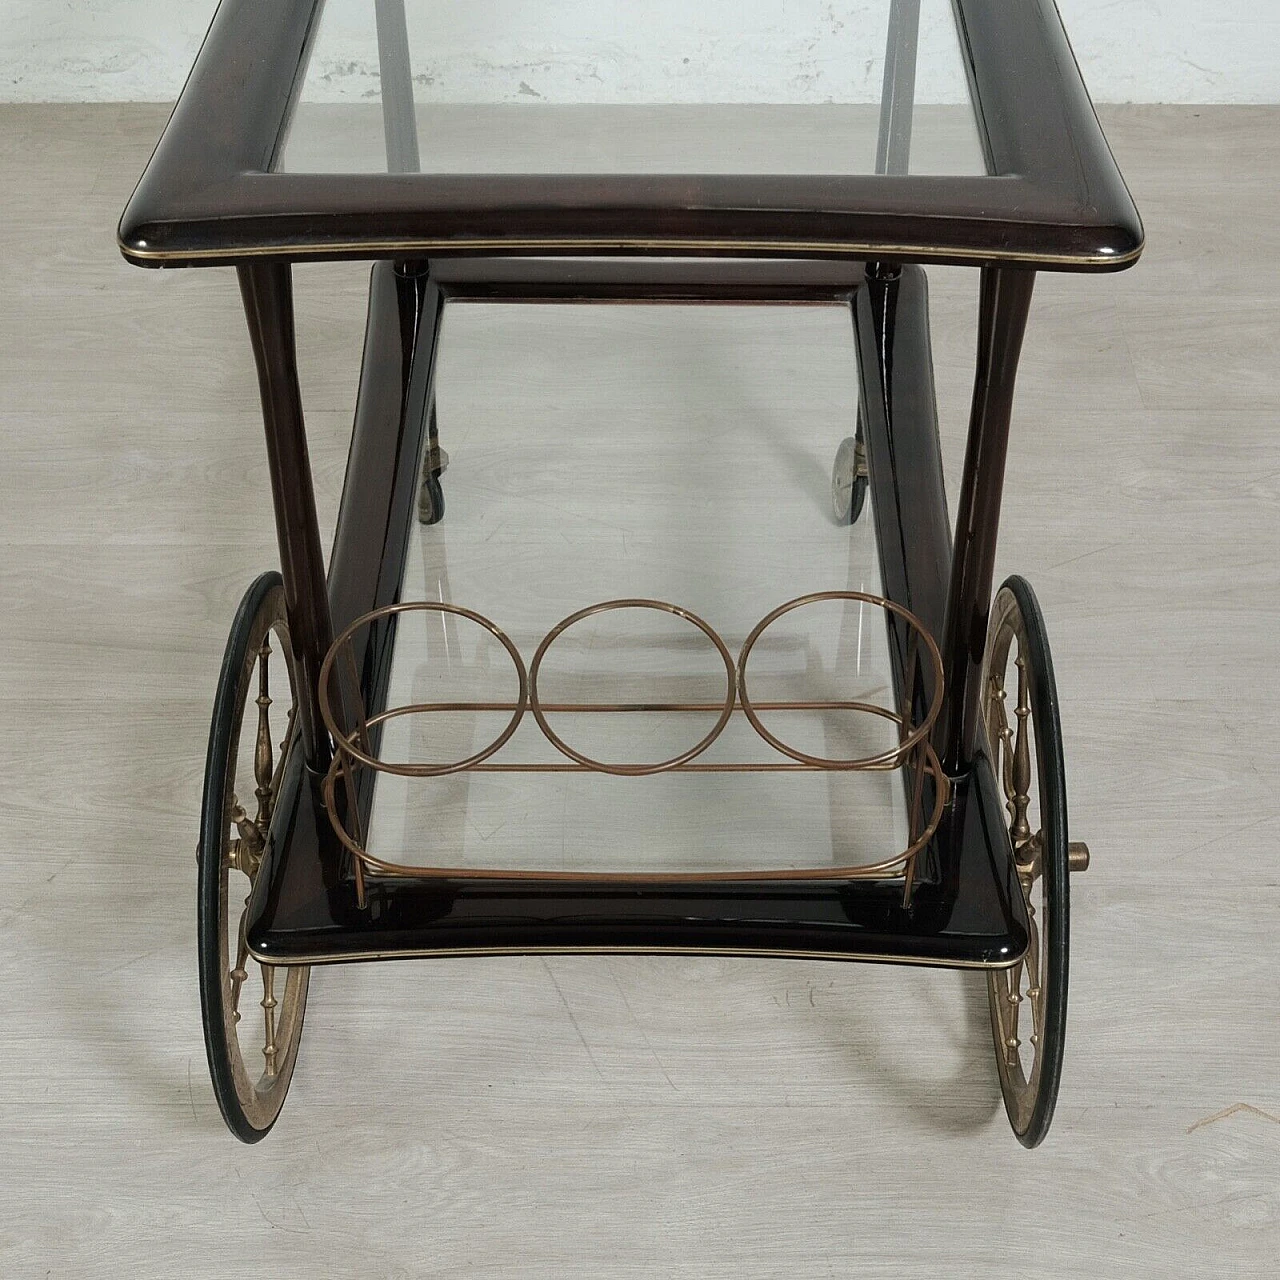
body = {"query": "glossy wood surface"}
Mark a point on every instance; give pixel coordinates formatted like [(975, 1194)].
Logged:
[(255, 53), (267, 292), (900, 415), (713, 1116), (646, 279), (963, 911), (1055, 197), (1003, 307), (306, 912)]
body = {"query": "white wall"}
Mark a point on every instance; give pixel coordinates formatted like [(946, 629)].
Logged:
[(621, 50)]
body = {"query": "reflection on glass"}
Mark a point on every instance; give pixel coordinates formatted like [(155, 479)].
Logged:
[(575, 86), (581, 476)]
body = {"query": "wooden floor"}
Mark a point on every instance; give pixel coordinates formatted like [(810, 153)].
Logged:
[(642, 1117)]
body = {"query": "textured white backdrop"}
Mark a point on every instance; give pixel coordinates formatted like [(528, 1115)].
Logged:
[(591, 50)]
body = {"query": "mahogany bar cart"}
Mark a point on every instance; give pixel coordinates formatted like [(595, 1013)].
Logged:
[(995, 162)]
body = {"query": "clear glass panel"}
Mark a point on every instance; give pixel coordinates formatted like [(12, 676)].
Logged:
[(677, 453), (593, 86)]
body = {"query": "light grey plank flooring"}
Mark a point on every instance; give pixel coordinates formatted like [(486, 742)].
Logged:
[(630, 1116)]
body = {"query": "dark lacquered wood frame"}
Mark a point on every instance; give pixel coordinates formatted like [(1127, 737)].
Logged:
[(966, 909), (1052, 196), (1054, 200)]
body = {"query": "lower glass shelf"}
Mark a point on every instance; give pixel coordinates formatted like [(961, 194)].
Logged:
[(877, 739), (966, 910)]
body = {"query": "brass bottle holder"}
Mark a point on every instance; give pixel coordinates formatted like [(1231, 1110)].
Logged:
[(351, 733)]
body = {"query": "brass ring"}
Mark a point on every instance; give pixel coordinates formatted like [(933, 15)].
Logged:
[(898, 862), (890, 759), (633, 770), (346, 744)]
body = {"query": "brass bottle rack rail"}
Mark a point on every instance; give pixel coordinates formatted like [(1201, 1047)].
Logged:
[(351, 729)]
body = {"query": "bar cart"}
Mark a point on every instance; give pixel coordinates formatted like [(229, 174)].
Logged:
[(969, 728)]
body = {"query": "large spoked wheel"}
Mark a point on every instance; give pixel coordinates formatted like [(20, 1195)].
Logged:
[(1029, 1000), (252, 1043)]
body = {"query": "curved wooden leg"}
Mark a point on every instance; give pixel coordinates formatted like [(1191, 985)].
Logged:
[(267, 290), (1004, 305)]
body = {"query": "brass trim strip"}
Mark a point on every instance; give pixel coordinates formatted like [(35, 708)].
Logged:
[(925, 962), (845, 249)]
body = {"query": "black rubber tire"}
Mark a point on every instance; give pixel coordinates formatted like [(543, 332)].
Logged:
[(1016, 597), (430, 501), (265, 596)]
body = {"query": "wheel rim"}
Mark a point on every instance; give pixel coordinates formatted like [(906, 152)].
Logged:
[(1028, 1000), (260, 1035)]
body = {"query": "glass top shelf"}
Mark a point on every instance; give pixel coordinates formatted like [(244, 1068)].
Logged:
[(580, 87)]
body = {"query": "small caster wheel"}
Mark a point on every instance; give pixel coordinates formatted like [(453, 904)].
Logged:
[(430, 501), (1024, 739), (252, 1044), (849, 479), (430, 493)]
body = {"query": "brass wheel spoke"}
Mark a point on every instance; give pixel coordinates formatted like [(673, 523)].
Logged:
[(269, 1005), (1008, 1007), (263, 767), (239, 973), (1020, 765), (244, 853), (1034, 967), (284, 746), (1000, 734)]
